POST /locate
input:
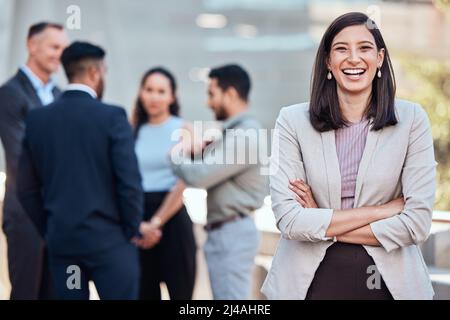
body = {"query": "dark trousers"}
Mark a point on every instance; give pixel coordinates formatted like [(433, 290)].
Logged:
[(115, 273), (28, 266), (172, 260), (347, 273)]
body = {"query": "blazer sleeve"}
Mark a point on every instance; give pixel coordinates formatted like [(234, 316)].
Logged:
[(29, 188), (413, 224), (7, 101), (293, 221), (12, 111), (127, 177)]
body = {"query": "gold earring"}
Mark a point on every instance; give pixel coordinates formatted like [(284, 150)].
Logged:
[(379, 72), (329, 76)]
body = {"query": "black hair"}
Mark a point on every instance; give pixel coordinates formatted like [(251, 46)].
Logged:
[(325, 113), (234, 76), (140, 115), (74, 56)]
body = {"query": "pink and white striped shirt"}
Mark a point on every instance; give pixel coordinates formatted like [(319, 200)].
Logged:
[(350, 144)]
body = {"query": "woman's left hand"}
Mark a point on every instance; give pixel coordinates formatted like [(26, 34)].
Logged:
[(303, 193), (151, 235)]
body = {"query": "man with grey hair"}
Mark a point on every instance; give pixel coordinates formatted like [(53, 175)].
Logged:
[(31, 87)]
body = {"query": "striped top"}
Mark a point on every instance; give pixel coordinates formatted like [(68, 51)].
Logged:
[(350, 144)]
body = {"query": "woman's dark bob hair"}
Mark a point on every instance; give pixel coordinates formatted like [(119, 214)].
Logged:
[(140, 115), (325, 112)]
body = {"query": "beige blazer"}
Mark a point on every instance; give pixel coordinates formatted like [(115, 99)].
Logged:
[(396, 160)]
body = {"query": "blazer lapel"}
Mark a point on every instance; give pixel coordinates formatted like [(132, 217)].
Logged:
[(371, 143), (332, 168), (28, 88), (56, 92)]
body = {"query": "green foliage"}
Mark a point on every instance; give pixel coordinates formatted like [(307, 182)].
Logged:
[(444, 6), (428, 83)]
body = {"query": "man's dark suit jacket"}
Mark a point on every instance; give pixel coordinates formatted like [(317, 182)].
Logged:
[(28, 270), (78, 175), (17, 98)]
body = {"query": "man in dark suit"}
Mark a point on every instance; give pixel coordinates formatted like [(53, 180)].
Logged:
[(32, 87), (79, 182)]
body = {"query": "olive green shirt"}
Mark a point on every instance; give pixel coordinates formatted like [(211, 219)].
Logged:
[(231, 170)]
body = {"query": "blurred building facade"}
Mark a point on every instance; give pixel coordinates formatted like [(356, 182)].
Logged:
[(275, 40)]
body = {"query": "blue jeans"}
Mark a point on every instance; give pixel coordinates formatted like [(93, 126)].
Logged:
[(230, 252)]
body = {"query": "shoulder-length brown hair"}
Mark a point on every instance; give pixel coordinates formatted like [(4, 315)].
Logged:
[(325, 113), (140, 115)]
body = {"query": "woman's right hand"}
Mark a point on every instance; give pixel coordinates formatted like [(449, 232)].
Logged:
[(392, 208)]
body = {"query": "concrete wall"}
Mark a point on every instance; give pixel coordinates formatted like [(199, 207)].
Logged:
[(6, 15)]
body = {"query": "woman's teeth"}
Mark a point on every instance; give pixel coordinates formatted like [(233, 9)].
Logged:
[(352, 72)]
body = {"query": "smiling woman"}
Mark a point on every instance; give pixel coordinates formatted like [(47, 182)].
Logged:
[(354, 181), (351, 52)]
